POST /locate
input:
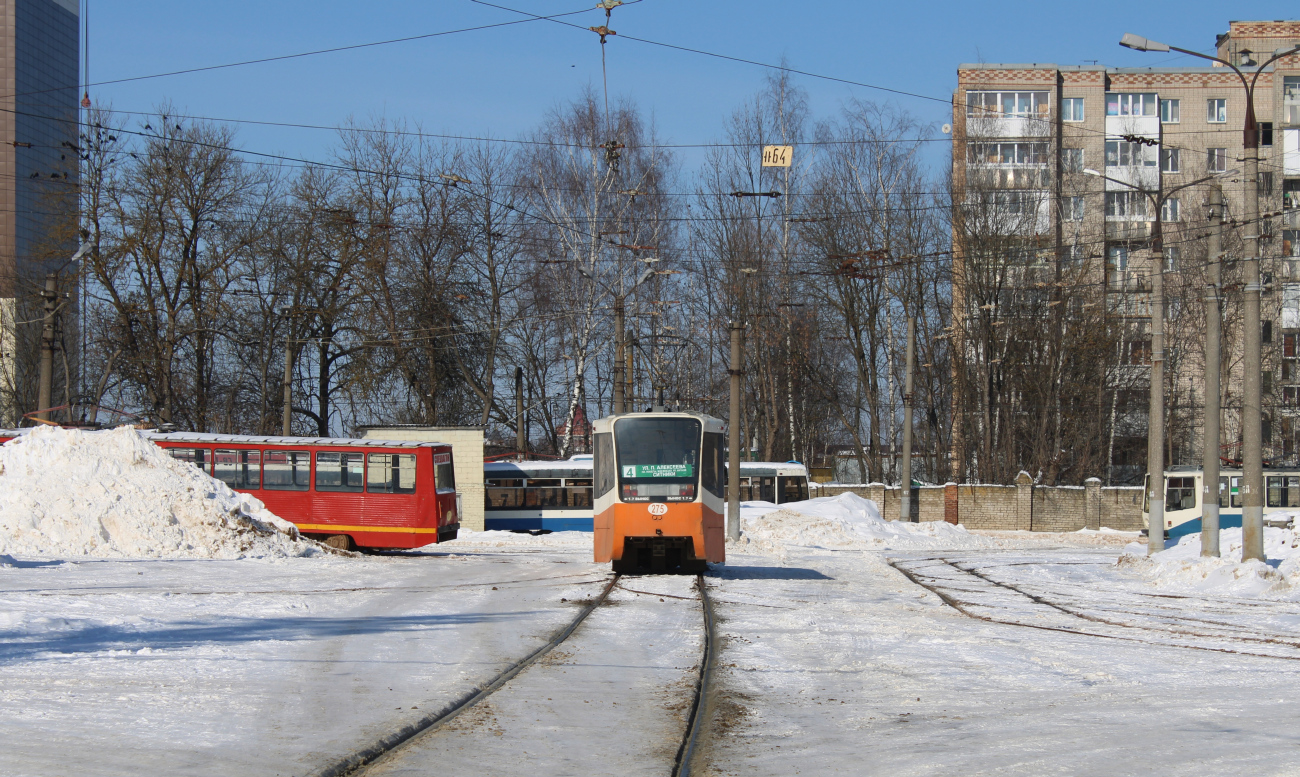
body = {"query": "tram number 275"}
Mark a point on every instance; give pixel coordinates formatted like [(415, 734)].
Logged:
[(657, 509)]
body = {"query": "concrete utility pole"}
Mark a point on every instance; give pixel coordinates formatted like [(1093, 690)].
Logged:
[(905, 501), (1252, 442), (286, 421), (51, 296), (1213, 324), (521, 437), (620, 344), (1156, 411), (733, 431)]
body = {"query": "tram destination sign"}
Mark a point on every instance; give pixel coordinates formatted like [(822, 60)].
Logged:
[(658, 470)]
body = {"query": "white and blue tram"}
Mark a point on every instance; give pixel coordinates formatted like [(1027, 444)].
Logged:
[(1183, 494), (557, 495)]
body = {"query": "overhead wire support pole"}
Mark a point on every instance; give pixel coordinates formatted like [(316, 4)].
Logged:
[(905, 502), (51, 296), (733, 431), (1213, 325)]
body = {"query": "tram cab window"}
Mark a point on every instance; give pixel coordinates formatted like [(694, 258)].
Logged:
[(603, 462), (340, 471), (444, 473), (543, 492), (1234, 490), (1180, 493), (1283, 491), (658, 459), (199, 457), (792, 489), (577, 493), (238, 469), (286, 470), (505, 494), (712, 470), (390, 473)]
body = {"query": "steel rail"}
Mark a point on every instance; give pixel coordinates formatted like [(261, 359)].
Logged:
[(696, 721), (367, 756)]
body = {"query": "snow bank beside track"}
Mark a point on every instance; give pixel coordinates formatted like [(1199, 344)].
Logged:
[(114, 494), (1181, 566), (846, 522)]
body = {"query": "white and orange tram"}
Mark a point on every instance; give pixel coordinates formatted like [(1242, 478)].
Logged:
[(659, 488)]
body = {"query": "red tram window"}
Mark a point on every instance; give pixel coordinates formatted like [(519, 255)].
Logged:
[(340, 472), (390, 473), (238, 469), (199, 457), (286, 470), (444, 475)]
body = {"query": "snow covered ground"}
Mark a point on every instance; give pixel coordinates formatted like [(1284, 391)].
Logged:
[(1004, 653)]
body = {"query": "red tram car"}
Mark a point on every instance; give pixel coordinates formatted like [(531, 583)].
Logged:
[(363, 493), (348, 493)]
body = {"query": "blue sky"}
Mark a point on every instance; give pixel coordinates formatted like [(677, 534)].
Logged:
[(501, 81)]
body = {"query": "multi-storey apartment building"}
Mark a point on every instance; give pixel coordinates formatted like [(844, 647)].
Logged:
[(1054, 168), (39, 59)]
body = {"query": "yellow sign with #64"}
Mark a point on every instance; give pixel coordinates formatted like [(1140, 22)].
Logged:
[(777, 156)]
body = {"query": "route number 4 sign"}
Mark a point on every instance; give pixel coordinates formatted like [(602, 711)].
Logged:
[(777, 156)]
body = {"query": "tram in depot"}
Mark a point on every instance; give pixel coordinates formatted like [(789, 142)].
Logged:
[(1184, 492), (545, 496), (348, 493), (659, 488)]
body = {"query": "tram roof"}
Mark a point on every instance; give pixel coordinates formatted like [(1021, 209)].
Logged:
[(250, 439)]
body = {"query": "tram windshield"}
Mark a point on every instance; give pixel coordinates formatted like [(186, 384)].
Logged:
[(658, 458)]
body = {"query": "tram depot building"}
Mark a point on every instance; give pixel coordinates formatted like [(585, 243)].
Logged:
[(1023, 137)]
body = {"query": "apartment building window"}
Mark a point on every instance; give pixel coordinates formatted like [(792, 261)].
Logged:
[(1169, 210), (1008, 153), (1072, 160), (1072, 109), (1290, 194), (1170, 160), (1073, 256), (1122, 153), (1173, 255), (1265, 133), (1266, 184), (1117, 266), (1169, 111), (1016, 202), (1216, 110), (1216, 160), (1291, 98), (1007, 104), (1072, 208), (1126, 206), (1131, 104), (1290, 317), (1291, 242)]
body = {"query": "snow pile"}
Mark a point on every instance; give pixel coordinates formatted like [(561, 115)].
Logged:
[(1181, 567), (846, 521), (116, 494)]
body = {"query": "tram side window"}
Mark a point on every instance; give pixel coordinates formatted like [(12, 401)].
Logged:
[(340, 472), (543, 492), (505, 494), (1180, 493), (603, 460), (444, 472), (286, 470), (577, 493), (199, 457), (1223, 492), (711, 468), (792, 489), (1283, 491), (1235, 491), (390, 473), (238, 469)]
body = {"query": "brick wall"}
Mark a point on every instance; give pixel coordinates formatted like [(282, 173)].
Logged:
[(1022, 507)]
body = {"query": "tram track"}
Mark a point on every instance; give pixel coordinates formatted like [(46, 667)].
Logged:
[(978, 595), (394, 743)]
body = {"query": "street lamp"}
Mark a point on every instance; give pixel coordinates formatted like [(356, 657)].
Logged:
[(1252, 454), (1156, 408)]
